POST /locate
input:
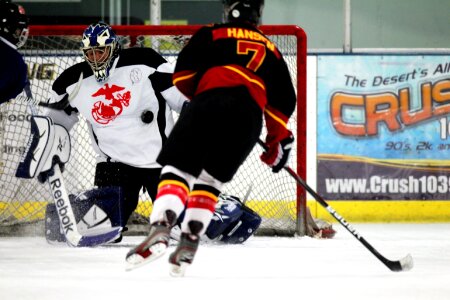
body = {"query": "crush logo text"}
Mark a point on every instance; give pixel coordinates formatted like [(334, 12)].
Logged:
[(361, 114)]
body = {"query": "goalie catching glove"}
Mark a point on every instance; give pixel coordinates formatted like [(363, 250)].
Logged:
[(49, 144)]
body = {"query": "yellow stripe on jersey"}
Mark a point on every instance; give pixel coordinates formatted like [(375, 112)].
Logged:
[(279, 120), (245, 76), (183, 77), (174, 182)]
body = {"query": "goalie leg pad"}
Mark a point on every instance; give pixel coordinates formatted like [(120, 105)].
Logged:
[(97, 208), (233, 222), (228, 211), (239, 231)]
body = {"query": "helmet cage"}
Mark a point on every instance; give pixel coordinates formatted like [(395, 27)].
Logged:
[(20, 36), (100, 47), (13, 23)]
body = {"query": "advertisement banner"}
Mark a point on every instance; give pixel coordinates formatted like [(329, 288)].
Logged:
[(383, 127)]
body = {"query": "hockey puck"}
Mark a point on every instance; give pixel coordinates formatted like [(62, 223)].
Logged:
[(147, 117)]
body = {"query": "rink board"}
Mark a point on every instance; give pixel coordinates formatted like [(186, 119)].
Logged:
[(354, 211)]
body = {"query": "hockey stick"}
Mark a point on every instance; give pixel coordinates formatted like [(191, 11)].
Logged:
[(403, 264), (247, 194), (67, 219)]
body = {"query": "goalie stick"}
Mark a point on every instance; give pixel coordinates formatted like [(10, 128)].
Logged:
[(404, 264)]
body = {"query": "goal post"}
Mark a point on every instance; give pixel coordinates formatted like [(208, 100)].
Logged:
[(51, 49)]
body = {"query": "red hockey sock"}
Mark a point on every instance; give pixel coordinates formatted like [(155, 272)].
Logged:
[(199, 210), (172, 196)]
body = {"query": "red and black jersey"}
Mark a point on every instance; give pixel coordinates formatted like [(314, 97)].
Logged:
[(238, 54)]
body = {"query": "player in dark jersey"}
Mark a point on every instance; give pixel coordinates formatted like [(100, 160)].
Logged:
[(13, 34), (233, 75)]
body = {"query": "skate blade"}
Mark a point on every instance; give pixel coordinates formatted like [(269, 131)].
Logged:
[(178, 271), (136, 260)]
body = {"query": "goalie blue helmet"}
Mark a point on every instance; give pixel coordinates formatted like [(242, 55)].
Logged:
[(100, 47), (243, 10), (13, 23)]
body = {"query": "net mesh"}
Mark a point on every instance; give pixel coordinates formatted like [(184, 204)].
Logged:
[(273, 196)]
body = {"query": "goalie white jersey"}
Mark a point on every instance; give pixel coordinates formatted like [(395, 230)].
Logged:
[(130, 114)]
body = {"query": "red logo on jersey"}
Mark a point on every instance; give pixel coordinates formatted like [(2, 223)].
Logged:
[(105, 113)]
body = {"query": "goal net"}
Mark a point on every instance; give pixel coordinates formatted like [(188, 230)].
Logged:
[(52, 49)]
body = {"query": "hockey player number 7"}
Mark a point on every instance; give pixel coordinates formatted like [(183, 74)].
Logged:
[(259, 53)]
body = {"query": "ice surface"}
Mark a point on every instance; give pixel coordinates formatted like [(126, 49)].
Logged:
[(263, 268)]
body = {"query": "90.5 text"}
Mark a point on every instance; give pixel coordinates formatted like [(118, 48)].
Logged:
[(404, 146)]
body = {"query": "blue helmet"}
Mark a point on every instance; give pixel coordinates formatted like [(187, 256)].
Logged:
[(100, 47)]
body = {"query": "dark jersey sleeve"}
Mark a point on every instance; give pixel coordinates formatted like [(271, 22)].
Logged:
[(68, 77), (160, 79), (13, 73), (192, 61), (140, 56), (280, 91), (281, 102)]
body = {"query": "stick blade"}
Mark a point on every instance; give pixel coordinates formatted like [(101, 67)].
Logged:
[(95, 238), (407, 263), (404, 264)]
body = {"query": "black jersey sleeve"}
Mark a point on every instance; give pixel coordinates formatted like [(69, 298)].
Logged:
[(140, 56), (280, 91), (281, 103), (70, 76), (13, 73), (67, 78), (160, 79), (192, 61)]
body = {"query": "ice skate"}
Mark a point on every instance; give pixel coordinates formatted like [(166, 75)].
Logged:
[(184, 254), (153, 247)]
